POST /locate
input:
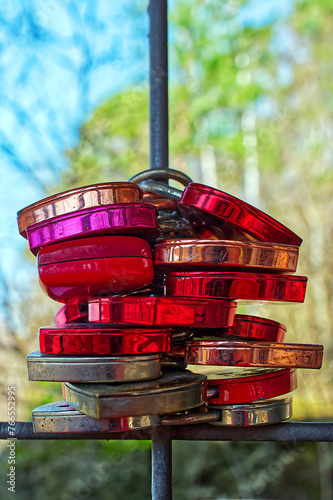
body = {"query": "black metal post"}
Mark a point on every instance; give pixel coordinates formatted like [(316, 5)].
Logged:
[(161, 486), (159, 120)]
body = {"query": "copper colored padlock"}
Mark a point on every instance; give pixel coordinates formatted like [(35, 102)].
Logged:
[(128, 219), (238, 214), (264, 354), (171, 393), (81, 198), (190, 254), (87, 340), (103, 265), (55, 368)]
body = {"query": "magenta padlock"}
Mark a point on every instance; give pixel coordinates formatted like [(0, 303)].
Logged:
[(128, 219)]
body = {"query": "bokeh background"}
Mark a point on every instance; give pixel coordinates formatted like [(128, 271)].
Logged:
[(251, 107)]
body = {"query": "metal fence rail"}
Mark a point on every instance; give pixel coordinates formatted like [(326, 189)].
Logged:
[(288, 431)]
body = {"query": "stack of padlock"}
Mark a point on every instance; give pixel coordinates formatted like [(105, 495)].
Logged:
[(150, 287)]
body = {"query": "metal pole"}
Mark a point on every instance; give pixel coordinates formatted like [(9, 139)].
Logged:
[(159, 120), (161, 486)]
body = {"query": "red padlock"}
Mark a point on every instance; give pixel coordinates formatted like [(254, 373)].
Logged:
[(84, 340), (236, 286), (246, 386), (255, 328), (247, 328), (74, 311), (103, 265), (199, 199), (162, 311)]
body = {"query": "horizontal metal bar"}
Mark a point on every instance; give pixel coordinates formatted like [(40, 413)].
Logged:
[(291, 431)]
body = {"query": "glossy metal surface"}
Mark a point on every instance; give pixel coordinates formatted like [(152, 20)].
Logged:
[(96, 247), (260, 413), (236, 285), (162, 311), (171, 393), (160, 174), (247, 386), (161, 189), (133, 219), (237, 213), (255, 328), (218, 254), (93, 369), (265, 354), (103, 265), (95, 195), (73, 311), (90, 340), (60, 417)]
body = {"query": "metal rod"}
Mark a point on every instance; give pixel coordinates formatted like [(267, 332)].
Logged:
[(159, 120), (289, 431), (161, 486)]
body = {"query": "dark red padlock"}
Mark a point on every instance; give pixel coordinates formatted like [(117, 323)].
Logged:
[(103, 265)]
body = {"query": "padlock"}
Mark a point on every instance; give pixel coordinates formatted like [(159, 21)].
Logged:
[(128, 219), (187, 254), (85, 197), (87, 340), (74, 311), (263, 354), (236, 286), (247, 328), (60, 417), (249, 385), (272, 411), (91, 369), (238, 214), (101, 265), (173, 392), (256, 328), (162, 311)]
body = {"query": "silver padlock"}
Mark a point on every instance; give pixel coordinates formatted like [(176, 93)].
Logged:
[(100, 369)]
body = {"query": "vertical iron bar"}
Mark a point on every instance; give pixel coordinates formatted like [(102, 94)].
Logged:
[(161, 486), (159, 119)]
